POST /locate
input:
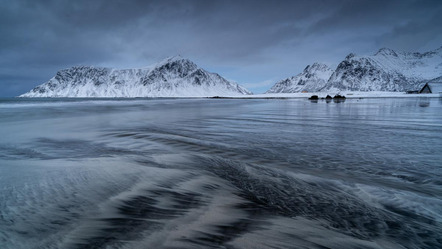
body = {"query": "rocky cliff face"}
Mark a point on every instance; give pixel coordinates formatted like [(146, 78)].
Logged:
[(173, 77)]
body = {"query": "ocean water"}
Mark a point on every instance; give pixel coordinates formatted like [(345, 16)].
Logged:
[(220, 173)]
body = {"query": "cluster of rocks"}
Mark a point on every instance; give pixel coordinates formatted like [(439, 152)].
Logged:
[(337, 96)]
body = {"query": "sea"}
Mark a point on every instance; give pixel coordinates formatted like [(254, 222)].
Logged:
[(220, 173)]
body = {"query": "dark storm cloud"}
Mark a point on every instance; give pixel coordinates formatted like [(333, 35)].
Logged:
[(387, 22), (248, 41)]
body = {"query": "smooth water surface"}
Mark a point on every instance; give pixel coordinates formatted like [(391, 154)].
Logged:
[(220, 173)]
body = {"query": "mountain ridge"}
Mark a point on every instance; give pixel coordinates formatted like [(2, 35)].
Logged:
[(386, 70), (172, 77), (311, 79)]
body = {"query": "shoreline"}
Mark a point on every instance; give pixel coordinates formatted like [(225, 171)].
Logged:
[(348, 95)]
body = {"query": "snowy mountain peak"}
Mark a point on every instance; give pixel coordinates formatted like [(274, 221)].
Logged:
[(386, 52), (313, 78), (317, 67), (176, 66), (172, 59), (387, 70), (350, 55), (436, 52), (172, 77)]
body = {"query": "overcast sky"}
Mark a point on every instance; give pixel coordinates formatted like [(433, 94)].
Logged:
[(254, 43)]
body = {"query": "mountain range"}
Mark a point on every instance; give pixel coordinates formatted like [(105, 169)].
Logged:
[(387, 70), (172, 77), (312, 79)]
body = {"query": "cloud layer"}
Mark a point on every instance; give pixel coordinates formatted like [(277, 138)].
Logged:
[(250, 42)]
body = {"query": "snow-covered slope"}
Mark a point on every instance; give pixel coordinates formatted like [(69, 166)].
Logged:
[(387, 70), (312, 79), (173, 77)]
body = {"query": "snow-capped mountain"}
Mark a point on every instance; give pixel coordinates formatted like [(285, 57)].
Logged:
[(312, 79), (387, 70), (173, 77)]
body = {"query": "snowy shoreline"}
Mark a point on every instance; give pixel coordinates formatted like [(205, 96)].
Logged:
[(348, 95)]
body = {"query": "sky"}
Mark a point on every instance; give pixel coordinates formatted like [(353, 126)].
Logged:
[(255, 43)]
